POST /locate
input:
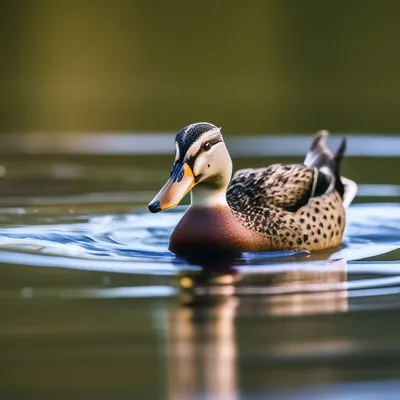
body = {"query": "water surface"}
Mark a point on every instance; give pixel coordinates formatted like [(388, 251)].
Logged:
[(93, 304)]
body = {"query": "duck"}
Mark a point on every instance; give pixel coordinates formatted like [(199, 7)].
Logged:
[(278, 207)]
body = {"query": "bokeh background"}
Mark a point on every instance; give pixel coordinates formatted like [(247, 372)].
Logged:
[(90, 305), (257, 66)]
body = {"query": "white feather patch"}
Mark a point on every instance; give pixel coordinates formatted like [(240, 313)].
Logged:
[(350, 191)]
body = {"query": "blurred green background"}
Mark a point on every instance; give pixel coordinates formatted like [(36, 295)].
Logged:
[(69, 67), (258, 66)]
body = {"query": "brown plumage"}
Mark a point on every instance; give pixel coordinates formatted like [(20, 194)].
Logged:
[(276, 202), (280, 207)]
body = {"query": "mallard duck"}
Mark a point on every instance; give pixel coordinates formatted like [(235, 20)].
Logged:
[(280, 207)]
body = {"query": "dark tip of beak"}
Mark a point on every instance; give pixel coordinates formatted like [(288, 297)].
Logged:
[(155, 207)]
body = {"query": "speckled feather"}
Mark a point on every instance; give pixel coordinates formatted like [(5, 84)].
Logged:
[(277, 203)]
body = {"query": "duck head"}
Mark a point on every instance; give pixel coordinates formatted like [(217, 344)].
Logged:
[(202, 165)]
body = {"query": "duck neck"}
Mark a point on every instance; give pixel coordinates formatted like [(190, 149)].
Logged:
[(206, 196), (211, 192)]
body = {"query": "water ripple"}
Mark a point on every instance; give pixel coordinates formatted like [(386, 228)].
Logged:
[(137, 243)]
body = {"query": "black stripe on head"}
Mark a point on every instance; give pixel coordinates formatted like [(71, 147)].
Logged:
[(177, 169), (190, 134), (190, 161)]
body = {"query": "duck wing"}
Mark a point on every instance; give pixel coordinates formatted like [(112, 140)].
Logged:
[(284, 186), (288, 187)]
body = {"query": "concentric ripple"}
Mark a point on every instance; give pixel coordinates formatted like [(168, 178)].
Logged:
[(139, 242)]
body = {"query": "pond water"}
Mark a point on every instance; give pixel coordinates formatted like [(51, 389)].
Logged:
[(94, 305)]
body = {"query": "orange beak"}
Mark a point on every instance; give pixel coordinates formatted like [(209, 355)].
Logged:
[(180, 182)]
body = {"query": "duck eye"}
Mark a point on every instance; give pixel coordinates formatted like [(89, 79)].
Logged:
[(207, 146)]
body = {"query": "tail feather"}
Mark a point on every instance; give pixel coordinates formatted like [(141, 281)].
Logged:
[(340, 153), (321, 158)]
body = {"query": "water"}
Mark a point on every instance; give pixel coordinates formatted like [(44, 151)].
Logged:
[(93, 304)]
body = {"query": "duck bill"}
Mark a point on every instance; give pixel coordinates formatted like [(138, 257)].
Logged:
[(180, 182)]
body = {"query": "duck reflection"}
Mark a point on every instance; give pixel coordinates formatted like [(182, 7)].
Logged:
[(203, 348), (296, 292), (202, 335)]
